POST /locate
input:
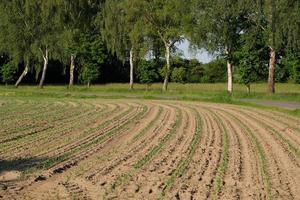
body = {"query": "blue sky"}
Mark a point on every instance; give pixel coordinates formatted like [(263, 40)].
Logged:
[(201, 55)]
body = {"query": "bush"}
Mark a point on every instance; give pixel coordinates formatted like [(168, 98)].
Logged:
[(215, 71), (291, 64), (89, 73), (195, 74), (179, 75), (8, 72), (147, 72)]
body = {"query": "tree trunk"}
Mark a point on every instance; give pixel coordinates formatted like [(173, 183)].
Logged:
[(72, 68), (248, 88), (131, 69), (166, 81), (46, 60), (89, 84), (272, 65), (230, 77), (23, 74)]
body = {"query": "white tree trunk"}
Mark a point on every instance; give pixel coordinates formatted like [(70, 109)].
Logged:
[(272, 65), (24, 73), (46, 60), (248, 88), (166, 81), (131, 69), (230, 77), (72, 68)]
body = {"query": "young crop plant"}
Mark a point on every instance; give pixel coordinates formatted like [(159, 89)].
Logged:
[(222, 168), (156, 149), (261, 153), (279, 136), (125, 177), (185, 162)]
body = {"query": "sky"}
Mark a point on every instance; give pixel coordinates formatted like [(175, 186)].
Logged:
[(201, 55)]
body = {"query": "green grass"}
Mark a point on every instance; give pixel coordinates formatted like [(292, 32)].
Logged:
[(190, 92), (287, 92)]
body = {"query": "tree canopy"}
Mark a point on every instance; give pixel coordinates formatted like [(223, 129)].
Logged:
[(258, 40)]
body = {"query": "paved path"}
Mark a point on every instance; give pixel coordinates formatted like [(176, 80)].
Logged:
[(287, 105)]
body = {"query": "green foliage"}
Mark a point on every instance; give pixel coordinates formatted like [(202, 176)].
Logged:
[(179, 75), (121, 27), (195, 74), (92, 54), (195, 71), (75, 16), (147, 72), (291, 63), (89, 73), (17, 23), (8, 72), (215, 71), (216, 25), (252, 57)]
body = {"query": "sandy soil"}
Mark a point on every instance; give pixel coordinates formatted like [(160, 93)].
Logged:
[(140, 149)]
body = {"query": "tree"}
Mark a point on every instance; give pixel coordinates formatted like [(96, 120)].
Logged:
[(91, 55), (77, 17), (278, 20), (291, 61), (164, 19), (214, 71), (252, 56), (48, 31), (216, 26), (122, 31), (195, 71), (17, 24)]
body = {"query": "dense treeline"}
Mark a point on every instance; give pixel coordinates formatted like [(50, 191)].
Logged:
[(85, 41)]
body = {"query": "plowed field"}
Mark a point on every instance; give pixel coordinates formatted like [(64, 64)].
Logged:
[(142, 149)]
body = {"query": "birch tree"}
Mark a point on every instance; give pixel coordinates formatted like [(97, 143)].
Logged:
[(17, 24), (215, 26), (48, 32), (279, 20), (77, 17), (164, 19), (122, 31)]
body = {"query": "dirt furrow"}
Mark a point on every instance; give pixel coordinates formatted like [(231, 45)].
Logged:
[(110, 172), (146, 149), (283, 173), (152, 176), (291, 149), (291, 133), (198, 180), (42, 139), (131, 148), (62, 167), (242, 180), (114, 141)]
